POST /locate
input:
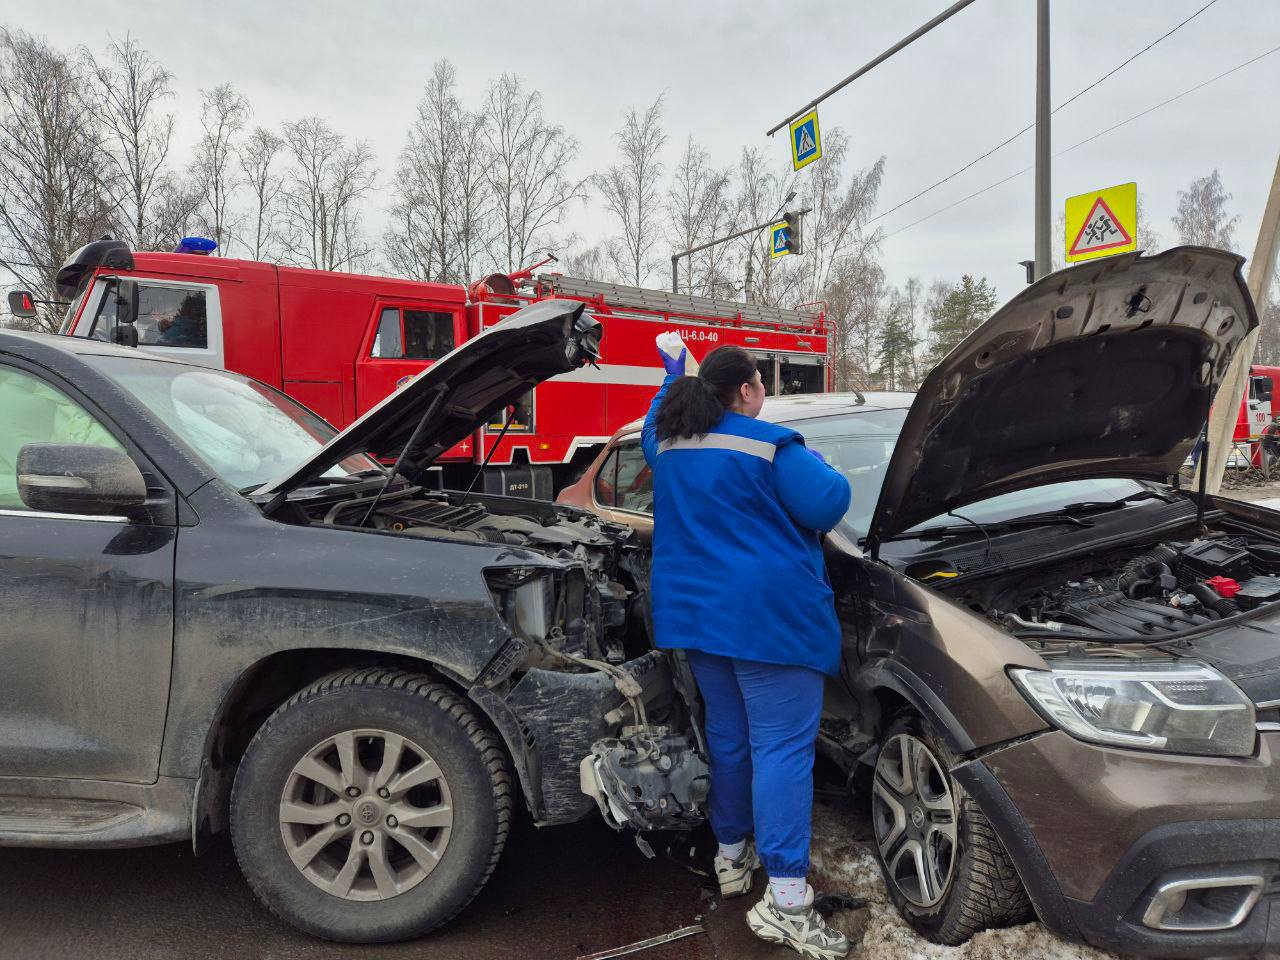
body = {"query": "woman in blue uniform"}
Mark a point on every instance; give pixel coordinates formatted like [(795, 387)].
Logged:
[(740, 506)]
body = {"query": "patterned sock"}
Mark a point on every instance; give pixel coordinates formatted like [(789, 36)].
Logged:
[(732, 851), (788, 892)]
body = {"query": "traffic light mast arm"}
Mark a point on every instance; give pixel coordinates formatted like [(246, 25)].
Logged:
[(675, 257)]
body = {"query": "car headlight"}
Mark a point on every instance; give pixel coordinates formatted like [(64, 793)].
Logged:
[(1178, 706)]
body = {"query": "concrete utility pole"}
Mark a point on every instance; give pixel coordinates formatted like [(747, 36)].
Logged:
[(1226, 406), (1044, 217)]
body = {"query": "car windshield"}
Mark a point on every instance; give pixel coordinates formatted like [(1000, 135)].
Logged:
[(859, 444), (246, 431)]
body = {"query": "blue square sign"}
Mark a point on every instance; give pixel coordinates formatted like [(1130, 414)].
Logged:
[(806, 140)]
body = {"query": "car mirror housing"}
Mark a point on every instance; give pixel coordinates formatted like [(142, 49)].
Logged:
[(76, 478)]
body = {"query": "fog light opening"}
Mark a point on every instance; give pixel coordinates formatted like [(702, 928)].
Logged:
[(1203, 903)]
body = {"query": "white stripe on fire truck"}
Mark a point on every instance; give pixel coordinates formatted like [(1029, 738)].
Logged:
[(616, 373)]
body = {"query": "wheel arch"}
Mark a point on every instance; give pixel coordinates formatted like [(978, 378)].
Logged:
[(270, 681)]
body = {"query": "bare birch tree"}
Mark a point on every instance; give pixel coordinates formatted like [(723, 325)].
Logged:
[(51, 165), (319, 202), (257, 157), (632, 193), (528, 170), (699, 210), (441, 217), (1202, 214), (223, 114), (132, 89)]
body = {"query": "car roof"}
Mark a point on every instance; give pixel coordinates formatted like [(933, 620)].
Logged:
[(810, 406), (76, 346)]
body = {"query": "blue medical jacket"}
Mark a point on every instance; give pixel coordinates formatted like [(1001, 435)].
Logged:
[(737, 542)]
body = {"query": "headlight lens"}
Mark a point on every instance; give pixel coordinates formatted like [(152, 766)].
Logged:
[(1178, 706)]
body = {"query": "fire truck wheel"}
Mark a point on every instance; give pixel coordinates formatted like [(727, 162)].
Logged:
[(371, 807)]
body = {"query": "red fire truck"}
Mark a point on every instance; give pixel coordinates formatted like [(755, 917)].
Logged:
[(340, 342)]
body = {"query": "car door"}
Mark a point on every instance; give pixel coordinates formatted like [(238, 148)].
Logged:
[(86, 609), (623, 488), (406, 340)]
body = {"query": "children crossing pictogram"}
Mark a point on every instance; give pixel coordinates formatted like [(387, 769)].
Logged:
[(1101, 230)]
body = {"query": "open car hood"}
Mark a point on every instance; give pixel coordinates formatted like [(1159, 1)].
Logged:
[(1106, 369), (474, 382)]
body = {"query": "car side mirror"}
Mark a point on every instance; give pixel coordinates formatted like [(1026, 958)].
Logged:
[(127, 302), (22, 304), (79, 478)]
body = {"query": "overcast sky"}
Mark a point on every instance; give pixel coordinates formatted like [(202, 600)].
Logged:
[(730, 70)]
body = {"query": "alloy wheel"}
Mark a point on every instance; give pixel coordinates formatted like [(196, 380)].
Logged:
[(914, 816), (366, 814)]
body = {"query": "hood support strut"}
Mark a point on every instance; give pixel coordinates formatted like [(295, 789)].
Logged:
[(409, 448)]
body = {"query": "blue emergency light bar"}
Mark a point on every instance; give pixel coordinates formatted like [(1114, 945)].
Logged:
[(202, 246)]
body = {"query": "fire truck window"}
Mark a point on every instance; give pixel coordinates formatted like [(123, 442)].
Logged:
[(428, 335), (765, 367), (172, 317), (606, 480), (799, 378), (387, 343), (633, 483)]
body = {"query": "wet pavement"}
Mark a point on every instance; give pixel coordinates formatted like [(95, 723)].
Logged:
[(558, 893)]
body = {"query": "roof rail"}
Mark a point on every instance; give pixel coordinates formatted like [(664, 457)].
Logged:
[(616, 295)]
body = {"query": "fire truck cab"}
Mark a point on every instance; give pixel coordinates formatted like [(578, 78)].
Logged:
[(341, 342)]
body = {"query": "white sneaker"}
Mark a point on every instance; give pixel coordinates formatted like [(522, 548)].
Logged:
[(735, 875), (801, 929)]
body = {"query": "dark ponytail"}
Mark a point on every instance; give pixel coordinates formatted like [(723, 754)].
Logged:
[(693, 405)]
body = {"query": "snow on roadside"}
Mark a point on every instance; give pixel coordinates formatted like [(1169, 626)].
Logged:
[(844, 863)]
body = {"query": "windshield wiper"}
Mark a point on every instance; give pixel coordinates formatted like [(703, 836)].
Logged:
[(1099, 506), (1002, 526)]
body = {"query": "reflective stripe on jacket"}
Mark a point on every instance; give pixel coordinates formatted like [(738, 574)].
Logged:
[(737, 554)]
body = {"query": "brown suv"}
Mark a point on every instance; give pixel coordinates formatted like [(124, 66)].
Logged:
[(1061, 681)]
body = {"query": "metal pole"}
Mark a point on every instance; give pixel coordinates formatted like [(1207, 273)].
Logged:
[(1044, 254), (751, 258), (675, 274), (905, 42)]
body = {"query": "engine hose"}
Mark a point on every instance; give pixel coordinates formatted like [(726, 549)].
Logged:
[(1145, 565), (1052, 628), (1214, 601), (1131, 591)]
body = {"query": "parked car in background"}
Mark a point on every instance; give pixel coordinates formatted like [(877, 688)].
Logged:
[(1060, 690)]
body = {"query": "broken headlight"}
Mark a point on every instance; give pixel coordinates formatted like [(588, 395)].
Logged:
[(526, 597), (1177, 706)]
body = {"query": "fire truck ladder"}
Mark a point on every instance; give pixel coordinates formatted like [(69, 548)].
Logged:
[(616, 295)]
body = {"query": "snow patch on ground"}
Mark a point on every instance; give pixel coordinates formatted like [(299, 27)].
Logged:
[(844, 862)]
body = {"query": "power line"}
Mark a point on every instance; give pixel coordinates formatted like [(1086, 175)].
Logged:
[(1090, 139), (1080, 93)]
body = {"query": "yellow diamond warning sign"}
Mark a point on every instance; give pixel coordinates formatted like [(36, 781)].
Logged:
[(1102, 223)]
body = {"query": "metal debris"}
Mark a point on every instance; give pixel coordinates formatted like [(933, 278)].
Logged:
[(644, 944)]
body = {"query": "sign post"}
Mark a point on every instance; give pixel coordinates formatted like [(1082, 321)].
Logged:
[(806, 139), (1102, 223)]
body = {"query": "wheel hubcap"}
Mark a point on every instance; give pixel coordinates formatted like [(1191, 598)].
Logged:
[(366, 814), (913, 812)]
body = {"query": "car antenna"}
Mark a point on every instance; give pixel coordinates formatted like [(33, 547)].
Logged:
[(511, 415), (409, 448)]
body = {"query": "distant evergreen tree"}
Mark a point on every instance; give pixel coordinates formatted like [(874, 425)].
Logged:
[(895, 358), (964, 307)]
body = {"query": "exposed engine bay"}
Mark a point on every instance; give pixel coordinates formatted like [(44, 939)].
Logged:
[(1140, 594)]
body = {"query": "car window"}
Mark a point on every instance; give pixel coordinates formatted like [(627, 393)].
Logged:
[(31, 411), (387, 344), (606, 480), (247, 432), (167, 316), (633, 482)]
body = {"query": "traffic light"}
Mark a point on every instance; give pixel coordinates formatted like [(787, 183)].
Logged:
[(795, 236)]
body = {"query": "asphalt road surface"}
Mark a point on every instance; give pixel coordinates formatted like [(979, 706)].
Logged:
[(557, 893)]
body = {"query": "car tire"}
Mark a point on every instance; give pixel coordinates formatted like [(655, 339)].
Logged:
[(416, 749), (981, 888)]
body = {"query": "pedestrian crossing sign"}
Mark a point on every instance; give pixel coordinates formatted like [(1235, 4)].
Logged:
[(806, 140), (1102, 223), (779, 240)]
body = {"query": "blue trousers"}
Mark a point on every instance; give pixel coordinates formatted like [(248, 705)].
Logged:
[(762, 722)]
